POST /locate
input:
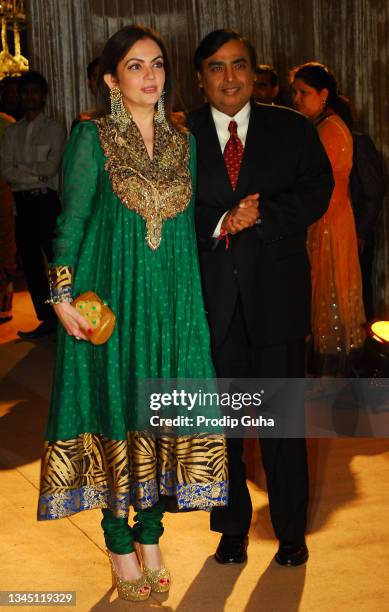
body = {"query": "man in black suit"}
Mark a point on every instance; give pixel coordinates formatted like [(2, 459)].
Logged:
[(367, 191), (263, 178)]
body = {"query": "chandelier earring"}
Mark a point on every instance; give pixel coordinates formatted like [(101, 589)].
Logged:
[(119, 114), (160, 116)]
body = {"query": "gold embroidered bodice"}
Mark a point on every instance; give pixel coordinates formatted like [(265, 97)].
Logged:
[(157, 189)]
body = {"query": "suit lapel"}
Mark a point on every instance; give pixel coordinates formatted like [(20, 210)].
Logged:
[(212, 159), (244, 173), (254, 167)]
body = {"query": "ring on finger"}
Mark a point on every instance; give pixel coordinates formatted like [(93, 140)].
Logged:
[(77, 338)]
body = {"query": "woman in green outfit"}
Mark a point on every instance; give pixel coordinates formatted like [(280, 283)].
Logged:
[(127, 233)]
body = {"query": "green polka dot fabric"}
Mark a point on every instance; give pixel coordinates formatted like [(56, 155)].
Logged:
[(161, 328)]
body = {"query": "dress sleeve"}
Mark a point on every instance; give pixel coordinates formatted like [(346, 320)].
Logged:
[(80, 170)]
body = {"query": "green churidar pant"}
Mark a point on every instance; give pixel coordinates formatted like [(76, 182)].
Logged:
[(147, 529)]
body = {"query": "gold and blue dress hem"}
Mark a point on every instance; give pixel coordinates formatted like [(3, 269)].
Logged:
[(91, 471)]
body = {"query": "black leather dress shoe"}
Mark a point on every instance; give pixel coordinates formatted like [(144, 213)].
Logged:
[(290, 554), (44, 329), (232, 549)]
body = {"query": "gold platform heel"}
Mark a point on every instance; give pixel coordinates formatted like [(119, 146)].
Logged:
[(154, 576), (130, 590)]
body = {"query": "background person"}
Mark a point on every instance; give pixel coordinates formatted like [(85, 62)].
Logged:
[(367, 191), (7, 238), (30, 156), (338, 317), (266, 86), (92, 81)]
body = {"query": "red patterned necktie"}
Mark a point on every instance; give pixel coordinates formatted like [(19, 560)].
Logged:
[(233, 153)]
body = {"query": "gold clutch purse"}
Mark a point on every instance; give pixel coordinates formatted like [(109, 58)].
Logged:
[(99, 316)]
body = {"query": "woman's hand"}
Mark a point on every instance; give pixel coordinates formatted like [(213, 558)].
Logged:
[(74, 323)]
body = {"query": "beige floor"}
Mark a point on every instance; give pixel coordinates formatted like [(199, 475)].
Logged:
[(348, 535)]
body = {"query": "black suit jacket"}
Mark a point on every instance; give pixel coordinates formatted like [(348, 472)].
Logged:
[(268, 265), (367, 185)]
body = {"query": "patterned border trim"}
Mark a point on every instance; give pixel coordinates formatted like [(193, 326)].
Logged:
[(60, 284), (189, 497)]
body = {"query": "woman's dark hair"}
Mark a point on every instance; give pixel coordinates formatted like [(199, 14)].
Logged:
[(116, 49), (319, 77), (216, 39)]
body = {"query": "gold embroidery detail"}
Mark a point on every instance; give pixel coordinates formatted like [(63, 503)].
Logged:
[(60, 284), (192, 467), (60, 277), (156, 189)]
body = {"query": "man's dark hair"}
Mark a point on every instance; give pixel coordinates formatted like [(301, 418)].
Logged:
[(263, 68), (91, 67), (216, 39), (36, 78)]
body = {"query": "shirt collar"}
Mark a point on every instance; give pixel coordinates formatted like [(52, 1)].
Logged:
[(222, 120)]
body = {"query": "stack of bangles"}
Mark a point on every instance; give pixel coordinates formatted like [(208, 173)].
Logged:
[(60, 284)]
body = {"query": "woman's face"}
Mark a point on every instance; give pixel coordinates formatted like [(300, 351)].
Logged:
[(308, 100), (140, 75)]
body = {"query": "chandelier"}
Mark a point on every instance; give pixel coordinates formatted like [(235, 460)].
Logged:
[(13, 17)]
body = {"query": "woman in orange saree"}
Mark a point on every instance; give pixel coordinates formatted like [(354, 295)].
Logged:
[(338, 317)]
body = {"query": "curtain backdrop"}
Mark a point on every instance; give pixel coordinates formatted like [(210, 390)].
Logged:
[(351, 36)]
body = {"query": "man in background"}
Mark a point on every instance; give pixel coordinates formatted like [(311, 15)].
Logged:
[(7, 238), (92, 81), (367, 190), (30, 156), (266, 86)]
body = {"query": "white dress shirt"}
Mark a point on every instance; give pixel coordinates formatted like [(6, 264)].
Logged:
[(31, 152), (221, 124)]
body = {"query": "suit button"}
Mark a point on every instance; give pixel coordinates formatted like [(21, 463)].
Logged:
[(235, 271)]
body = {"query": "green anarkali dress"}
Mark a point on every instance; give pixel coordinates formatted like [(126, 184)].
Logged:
[(127, 232)]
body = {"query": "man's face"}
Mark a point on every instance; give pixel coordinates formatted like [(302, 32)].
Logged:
[(32, 97), (264, 90), (227, 78)]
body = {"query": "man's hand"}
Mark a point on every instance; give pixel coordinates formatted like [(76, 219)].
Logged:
[(243, 215)]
